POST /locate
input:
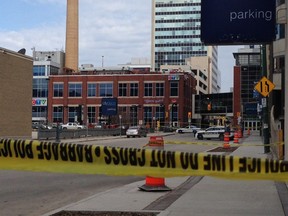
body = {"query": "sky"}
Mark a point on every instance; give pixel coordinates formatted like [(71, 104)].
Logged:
[(116, 29)]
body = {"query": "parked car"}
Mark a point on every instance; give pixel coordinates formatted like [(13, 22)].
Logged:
[(188, 129), (216, 132), (136, 131), (72, 126), (35, 125), (44, 126)]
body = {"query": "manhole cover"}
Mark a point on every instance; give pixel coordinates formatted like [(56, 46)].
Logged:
[(221, 149)]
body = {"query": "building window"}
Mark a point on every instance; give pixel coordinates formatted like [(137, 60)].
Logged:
[(174, 112), (39, 70), (106, 89), (58, 114), (133, 89), (91, 112), (75, 89), (123, 111), (57, 89), (53, 70), (72, 114), (91, 91), (159, 114), (133, 115), (148, 89), (122, 89), (39, 112), (280, 31), (148, 116), (174, 89), (159, 89), (40, 88)]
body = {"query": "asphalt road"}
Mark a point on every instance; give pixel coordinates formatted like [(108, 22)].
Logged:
[(35, 193)]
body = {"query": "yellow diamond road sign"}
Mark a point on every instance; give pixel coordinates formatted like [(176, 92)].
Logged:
[(264, 86)]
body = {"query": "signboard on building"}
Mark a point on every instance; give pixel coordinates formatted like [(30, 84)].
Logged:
[(39, 101), (173, 77), (250, 109), (109, 106), (231, 22)]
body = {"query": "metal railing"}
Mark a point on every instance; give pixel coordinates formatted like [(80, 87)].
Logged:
[(71, 134)]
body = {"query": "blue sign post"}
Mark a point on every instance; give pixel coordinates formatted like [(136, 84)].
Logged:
[(237, 22)]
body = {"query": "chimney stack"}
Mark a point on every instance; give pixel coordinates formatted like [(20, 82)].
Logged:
[(72, 36)]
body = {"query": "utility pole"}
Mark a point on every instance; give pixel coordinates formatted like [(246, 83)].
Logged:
[(265, 118)]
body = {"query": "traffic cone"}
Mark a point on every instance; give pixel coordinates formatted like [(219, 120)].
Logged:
[(226, 144), (155, 184), (239, 133), (236, 138)]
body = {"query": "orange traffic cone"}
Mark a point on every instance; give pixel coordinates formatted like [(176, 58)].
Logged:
[(236, 138), (155, 184), (226, 140), (239, 133)]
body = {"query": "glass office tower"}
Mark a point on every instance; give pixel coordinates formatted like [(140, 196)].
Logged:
[(176, 37), (175, 32)]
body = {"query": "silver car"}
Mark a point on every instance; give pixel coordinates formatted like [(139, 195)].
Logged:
[(136, 131)]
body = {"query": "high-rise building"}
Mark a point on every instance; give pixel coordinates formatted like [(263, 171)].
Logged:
[(247, 72), (176, 37)]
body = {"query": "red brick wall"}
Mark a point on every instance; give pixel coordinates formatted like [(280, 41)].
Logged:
[(184, 100)]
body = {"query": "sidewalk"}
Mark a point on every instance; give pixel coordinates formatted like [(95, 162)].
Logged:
[(194, 195)]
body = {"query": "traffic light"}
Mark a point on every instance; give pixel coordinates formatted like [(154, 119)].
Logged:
[(209, 106), (189, 115)]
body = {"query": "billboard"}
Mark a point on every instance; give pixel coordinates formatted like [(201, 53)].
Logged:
[(237, 22), (109, 106)]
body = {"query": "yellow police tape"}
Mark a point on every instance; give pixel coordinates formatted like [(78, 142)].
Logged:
[(92, 159)]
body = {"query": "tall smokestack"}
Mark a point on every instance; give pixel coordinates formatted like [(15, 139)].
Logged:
[(72, 40)]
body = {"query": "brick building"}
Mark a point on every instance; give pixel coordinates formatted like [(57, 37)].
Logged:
[(15, 94), (142, 97)]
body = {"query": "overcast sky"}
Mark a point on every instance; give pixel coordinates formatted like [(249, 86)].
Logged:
[(116, 29)]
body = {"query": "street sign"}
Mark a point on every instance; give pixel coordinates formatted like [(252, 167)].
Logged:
[(264, 86), (242, 21)]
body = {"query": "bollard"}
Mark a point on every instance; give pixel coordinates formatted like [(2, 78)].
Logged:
[(226, 144), (155, 184), (236, 138)]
